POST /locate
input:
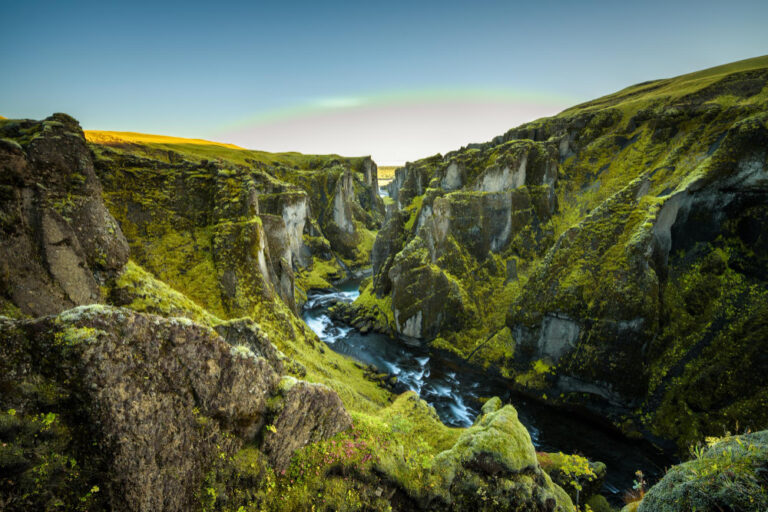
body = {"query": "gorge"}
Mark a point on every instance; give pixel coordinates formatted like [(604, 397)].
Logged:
[(519, 324)]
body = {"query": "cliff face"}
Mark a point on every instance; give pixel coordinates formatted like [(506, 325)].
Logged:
[(109, 408), (237, 229), (59, 242), (610, 256)]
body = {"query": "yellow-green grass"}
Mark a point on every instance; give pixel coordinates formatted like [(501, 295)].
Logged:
[(633, 98), (158, 146), (386, 172), (319, 275)]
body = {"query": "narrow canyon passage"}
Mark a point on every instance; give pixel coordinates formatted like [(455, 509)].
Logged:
[(455, 390)]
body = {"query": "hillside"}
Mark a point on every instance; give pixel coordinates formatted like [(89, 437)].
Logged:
[(609, 262), (609, 257)]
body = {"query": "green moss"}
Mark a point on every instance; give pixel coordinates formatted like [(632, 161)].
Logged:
[(378, 310), (598, 503), (579, 477), (320, 274), (150, 295), (414, 208), (9, 309), (71, 337), (536, 376), (44, 465), (728, 474), (499, 435), (720, 317)]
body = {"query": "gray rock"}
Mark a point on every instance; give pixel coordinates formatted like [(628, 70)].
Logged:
[(305, 413), (59, 242), (163, 399)]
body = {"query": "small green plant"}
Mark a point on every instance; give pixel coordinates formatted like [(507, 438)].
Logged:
[(639, 487)]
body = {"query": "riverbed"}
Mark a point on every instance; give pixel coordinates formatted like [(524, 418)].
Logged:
[(455, 390)]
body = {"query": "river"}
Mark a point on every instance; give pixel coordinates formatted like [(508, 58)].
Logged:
[(454, 389)]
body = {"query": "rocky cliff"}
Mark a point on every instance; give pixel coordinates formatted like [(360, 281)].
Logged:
[(109, 408), (611, 256), (254, 224), (182, 379), (59, 243)]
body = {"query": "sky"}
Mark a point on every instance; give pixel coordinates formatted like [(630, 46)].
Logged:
[(397, 80)]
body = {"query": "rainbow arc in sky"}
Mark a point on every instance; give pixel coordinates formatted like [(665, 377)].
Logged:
[(394, 127)]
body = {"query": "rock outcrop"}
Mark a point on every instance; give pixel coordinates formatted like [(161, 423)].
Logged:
[(58, 242), (302, 413), (149, 406), (493, 466), (728, 474)]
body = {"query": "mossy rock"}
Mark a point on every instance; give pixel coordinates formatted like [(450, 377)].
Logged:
[(579, 477), (728, 474), (493, 466)]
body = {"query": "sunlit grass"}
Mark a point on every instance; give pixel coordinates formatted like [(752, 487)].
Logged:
[(633, 98), (387, 172), (162, 147), (112, 138)]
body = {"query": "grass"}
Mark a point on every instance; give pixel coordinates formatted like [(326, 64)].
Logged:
[(633, 98), (158, 146), (386, 172), (319, 275)]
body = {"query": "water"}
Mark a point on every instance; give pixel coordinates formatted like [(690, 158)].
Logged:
[(455, 389)]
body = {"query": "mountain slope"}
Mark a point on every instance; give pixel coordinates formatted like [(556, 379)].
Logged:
[(611, 256)]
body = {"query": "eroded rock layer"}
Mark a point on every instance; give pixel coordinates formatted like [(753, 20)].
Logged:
[(611, 256)]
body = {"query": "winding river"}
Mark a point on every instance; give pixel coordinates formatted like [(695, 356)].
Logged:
[(454, 389)]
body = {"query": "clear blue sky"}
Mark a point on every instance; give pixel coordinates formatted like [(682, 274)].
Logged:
[(210, 69)]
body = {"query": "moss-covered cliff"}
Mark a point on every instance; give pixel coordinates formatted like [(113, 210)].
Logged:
[(304, 219), (611, 256), (614, 257), (183, 379)]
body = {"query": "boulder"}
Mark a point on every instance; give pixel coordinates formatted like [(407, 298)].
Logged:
[(728, 474), (493, 466), (302, 413)]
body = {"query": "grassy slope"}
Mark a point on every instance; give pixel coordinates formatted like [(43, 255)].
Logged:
[(629, 163), (635, 97), (662, 132), (152, 146)]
